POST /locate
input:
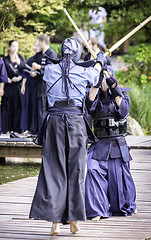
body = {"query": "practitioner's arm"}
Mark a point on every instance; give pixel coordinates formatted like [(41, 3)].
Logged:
[(101, 60)]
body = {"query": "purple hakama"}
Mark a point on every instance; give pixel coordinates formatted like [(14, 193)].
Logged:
[(110, 189)]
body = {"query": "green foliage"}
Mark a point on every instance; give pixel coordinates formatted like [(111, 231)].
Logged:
[(63, 26), (26, 41), (137, 66), (27, 11), (123, 16), (47, 16), (24, 20), (57, 48), (137, 75), (140, 98), (8, 13)]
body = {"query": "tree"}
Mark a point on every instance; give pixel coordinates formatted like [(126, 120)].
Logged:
[(25, 19), (123, 16)]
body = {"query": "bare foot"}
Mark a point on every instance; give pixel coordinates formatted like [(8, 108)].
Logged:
[(74, 228), (55, 229), (97, 218), (136, 211)]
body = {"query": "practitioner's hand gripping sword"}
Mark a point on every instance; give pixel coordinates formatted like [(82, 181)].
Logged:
[(116, 45)]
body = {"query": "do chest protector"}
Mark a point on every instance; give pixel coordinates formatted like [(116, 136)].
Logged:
[(108, 124)]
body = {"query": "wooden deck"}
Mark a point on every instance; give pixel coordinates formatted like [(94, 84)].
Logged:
[(16, 197), (27, 149)]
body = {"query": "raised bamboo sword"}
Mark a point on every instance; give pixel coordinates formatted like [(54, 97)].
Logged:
[(116, 45)]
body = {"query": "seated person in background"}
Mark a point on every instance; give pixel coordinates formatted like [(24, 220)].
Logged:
[(74, 35)]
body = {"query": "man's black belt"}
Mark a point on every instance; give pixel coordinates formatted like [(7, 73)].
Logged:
[(61, 107)]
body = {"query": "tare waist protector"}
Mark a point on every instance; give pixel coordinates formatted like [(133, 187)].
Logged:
[(109, 127)]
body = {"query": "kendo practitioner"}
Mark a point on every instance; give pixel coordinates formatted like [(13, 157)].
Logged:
[(95, 45), (110, 189), (60, 192), (13, 90), (38, 62), (3, 80), (28, 103)]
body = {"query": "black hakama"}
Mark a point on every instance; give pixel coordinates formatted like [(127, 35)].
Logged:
[(28, 103), (38, 103), (60, 191), (12, 99)]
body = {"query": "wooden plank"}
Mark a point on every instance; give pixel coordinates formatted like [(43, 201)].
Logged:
[(16, 197), (20, 151), (31, 150)]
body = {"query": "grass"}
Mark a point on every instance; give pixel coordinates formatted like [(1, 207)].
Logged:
[(12, 172), (140, 98), (134, 48)]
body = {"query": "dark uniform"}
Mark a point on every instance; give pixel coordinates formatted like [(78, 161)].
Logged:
[(38, 85), (27, 104), (110, 189), (60, 192), (88, 57), (12, 99)]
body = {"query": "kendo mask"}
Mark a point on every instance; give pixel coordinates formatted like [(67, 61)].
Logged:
[(70, 46)]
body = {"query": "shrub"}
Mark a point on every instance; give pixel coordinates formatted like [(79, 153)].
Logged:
[(137, 74), (137, 66), (140, 98), (25, 40), (57, 48)]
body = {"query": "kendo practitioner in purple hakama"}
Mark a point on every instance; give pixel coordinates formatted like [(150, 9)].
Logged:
[(3, 80), (110, 189), (60, 192), (38, 62)]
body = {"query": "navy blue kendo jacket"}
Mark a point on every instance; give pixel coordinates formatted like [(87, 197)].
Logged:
[(114, 146)]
